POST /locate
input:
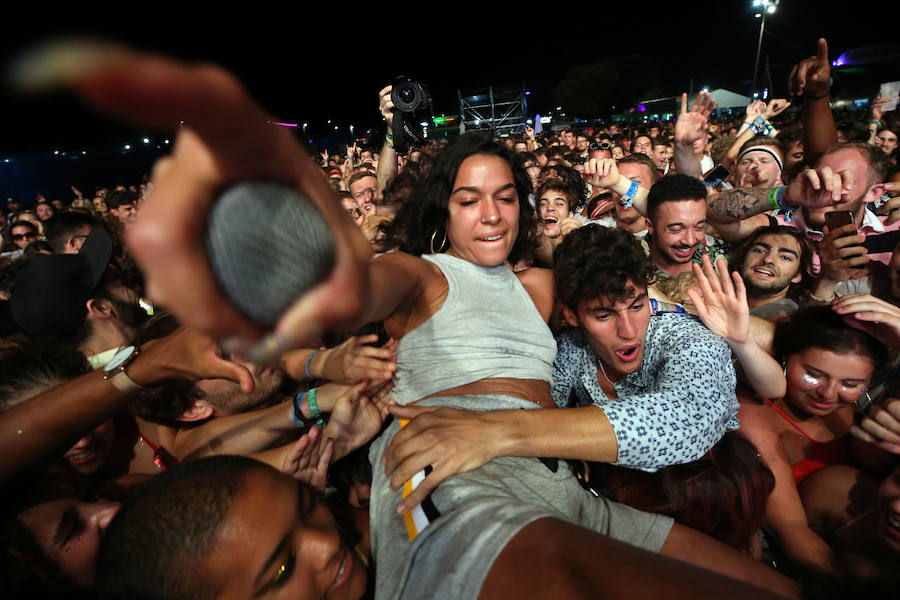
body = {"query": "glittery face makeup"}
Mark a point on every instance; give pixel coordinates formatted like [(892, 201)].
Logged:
[(809, 380)]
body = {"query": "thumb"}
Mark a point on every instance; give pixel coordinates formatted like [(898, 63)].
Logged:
[(225, 369), (409, 412)]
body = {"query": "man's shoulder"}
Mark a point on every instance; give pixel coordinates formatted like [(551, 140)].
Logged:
[(674, 331)]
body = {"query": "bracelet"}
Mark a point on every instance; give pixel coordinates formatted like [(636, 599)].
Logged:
[(628, 197), (309, 360), (875, 123), (776, 198), (389, 139), (299, 419), (314, 412), (821, 300), (825, 95)]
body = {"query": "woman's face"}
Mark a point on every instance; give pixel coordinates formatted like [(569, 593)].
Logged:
[(820, 382), (484, 211), (69, 530)]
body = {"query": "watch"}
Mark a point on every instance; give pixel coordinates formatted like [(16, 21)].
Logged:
[(114, 371)]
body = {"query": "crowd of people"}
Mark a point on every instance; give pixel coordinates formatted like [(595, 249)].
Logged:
[(545, 364)]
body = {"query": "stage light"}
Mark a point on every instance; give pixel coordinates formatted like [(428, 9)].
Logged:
[(146, 140), (128, 146)]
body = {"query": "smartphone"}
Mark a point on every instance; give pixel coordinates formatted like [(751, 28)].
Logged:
[(716, 176), (839, 218)]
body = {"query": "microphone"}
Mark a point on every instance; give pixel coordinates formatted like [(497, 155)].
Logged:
[(268, 245)]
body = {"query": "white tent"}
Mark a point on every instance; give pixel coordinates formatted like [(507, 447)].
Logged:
[(725, 99)]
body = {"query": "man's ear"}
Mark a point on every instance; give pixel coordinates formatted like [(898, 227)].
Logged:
[(570, 316), (98, 307), (797, 278), (875, 192), (649, 225), (198, 411)]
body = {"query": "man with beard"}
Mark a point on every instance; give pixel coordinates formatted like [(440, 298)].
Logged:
[(676, 222), (774, 262)]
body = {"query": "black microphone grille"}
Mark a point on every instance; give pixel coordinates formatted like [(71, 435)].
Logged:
[(267, 245)]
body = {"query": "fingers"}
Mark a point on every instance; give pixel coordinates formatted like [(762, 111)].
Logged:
[(684, 102), (325, 456), (822, 51), (422, 491)]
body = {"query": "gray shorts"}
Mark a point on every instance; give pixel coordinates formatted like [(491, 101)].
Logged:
[(445, 547)]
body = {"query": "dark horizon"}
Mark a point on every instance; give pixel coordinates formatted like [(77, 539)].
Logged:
[(312, 69)]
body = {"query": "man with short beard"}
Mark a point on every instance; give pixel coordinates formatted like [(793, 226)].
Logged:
[(774, 262)]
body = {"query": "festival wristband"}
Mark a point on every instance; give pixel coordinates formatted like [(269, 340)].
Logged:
[(628, 197), (299, 419), (776, 198), (308, 361), (314, 412)]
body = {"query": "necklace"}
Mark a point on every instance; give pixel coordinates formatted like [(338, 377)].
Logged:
[(602, 370)]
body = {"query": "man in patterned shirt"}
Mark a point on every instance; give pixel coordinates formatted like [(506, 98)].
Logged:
[(665, 382)]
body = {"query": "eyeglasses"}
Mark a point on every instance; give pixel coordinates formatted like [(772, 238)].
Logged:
[(601, 146), (24, 236)]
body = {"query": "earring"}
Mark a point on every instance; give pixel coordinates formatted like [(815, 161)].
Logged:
[(443, 242)]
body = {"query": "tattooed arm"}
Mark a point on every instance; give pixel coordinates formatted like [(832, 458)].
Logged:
[(737, 213)]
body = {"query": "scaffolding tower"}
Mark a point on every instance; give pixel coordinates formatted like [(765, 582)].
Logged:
[(498, 111)]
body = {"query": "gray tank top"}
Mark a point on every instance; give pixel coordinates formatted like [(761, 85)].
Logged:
[(487, 327)]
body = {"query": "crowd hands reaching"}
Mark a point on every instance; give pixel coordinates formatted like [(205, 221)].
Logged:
[(734, 369)]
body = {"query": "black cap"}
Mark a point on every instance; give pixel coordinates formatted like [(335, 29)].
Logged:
[(49, 296)]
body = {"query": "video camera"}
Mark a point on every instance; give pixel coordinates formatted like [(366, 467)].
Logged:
[(408, 97)]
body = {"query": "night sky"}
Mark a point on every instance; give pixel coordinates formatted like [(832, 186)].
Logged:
[(311, 66)]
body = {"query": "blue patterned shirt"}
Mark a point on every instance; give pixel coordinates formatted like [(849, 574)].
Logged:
[(674, 408)]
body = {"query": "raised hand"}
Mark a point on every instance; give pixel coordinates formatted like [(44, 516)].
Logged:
[(721, 301), (690, 127), (601, 172), (812, 76), (775, 107), (385, 106), (878, 106), (819, 188), (755, 109), (308, 461), (529, 131)]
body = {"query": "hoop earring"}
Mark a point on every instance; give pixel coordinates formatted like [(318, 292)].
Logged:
[(443, 242)]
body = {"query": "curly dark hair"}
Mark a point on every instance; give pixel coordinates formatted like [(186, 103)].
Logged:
[(412, 229), (598, 262)]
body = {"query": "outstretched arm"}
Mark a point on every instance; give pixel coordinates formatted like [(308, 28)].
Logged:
[(812, 78), (166, 240), (387, 162), (721, 303)]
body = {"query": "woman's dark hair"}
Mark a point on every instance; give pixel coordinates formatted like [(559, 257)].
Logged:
[(821, 327), (412, 229), (723, 494), (597, 262)]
